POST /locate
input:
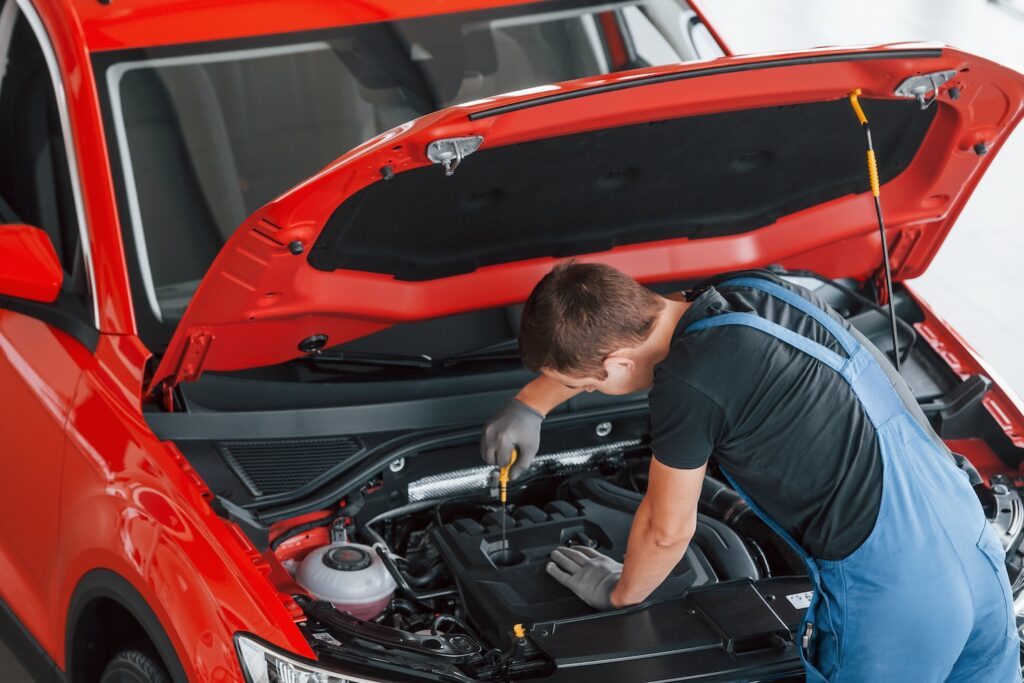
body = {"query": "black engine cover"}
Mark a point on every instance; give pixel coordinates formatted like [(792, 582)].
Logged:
[(501, 590)]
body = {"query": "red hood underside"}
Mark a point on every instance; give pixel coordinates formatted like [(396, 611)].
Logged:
[(259, 300)]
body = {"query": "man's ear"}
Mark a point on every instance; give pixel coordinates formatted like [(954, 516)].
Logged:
[(617, 361)]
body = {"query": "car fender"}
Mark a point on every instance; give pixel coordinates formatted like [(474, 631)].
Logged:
[(131, 505)]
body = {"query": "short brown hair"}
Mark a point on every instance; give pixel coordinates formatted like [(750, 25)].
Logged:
[(579, 313)]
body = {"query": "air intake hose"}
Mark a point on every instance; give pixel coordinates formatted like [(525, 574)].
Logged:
[(720, 501)]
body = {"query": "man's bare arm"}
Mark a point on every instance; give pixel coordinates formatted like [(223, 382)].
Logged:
[(664, 523)]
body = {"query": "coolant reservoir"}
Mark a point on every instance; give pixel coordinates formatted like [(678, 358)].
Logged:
[(350, 576)]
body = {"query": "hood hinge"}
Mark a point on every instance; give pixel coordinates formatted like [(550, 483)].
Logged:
[(902, 248), (189, 367)]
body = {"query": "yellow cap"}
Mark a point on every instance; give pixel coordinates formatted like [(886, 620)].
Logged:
[(855, 103), (519, 631)]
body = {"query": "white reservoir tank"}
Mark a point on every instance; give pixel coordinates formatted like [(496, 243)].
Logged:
[(350, 576)]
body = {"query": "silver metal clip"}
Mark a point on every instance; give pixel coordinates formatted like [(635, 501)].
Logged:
[(808, 632), (918, 87), (449, 152)]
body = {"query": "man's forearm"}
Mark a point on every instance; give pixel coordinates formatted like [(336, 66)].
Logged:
[(544, 394), (651, 553)]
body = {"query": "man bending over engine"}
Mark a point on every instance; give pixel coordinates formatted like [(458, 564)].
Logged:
[(813, 427)]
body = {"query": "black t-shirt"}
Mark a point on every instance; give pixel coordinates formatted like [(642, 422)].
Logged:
[(785, 426)]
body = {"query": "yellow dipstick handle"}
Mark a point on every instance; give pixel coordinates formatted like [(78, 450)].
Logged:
[(856, 107), (519, 631), (503, 475)]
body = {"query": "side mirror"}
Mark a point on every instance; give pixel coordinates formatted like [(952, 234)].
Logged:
[(29, 267)]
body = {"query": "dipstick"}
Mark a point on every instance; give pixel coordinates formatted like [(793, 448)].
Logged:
[(503, 497)]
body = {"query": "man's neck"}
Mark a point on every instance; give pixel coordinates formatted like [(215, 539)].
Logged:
[(657, 345)]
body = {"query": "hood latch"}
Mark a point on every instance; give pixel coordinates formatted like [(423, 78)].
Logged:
[(918, 87), (449, 152)]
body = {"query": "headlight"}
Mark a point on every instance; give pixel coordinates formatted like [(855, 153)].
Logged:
[(263, 665)]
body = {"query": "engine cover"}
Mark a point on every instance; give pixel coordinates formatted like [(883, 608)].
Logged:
[(500, 590)]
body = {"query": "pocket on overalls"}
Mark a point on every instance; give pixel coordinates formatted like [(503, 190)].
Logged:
[(992, 549), (822, 653)]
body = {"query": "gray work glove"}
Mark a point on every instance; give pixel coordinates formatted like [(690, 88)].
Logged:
[(587, 573), (516, 424)]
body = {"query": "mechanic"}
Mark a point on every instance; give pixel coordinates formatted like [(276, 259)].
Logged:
[(813, 427)]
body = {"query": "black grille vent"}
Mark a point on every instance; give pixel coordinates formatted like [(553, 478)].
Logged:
[(272, 467)]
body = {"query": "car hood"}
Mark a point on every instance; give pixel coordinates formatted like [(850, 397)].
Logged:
[(667, 173)]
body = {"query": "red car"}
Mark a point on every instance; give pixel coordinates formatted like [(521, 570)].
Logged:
[(240, 421)]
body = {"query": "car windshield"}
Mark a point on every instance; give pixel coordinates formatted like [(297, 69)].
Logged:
[(205, 138)]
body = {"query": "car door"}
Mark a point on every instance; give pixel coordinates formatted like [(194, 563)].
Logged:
[(41, 344)]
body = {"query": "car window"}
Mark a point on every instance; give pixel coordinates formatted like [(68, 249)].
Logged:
[(700, 37), (35, 180), (206, 137)]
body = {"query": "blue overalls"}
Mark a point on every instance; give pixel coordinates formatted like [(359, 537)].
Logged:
[(926, 596)]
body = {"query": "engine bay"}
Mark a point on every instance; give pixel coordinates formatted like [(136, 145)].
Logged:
[(491, 612), (510, 586), (388, 539), (459, 604)]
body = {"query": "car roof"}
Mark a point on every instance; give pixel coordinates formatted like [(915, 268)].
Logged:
[(125, 24)]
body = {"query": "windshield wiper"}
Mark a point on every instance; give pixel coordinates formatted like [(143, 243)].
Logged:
[(505, 349), (380, 360)]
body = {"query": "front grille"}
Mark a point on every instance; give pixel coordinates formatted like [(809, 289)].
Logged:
[(272, 467)]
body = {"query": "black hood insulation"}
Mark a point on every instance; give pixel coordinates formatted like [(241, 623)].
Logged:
[(695, 177)]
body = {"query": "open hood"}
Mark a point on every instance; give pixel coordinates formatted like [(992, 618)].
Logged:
[(667, 173)]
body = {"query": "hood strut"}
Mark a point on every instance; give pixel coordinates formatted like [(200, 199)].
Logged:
[(875, 192)]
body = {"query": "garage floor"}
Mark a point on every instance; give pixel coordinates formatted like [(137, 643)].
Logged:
[(10, 669), (973, 280)]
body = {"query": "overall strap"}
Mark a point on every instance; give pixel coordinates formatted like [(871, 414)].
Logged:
[(865, 376), (797, 341), (841, 334)]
